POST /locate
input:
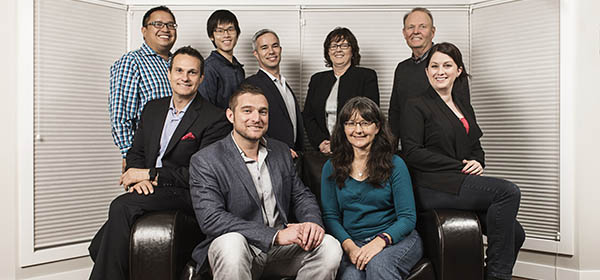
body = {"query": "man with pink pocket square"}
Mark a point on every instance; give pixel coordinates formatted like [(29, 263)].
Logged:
[(170, 131)]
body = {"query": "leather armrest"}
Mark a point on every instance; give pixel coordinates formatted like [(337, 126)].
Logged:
[(161, 244), (452, 240)]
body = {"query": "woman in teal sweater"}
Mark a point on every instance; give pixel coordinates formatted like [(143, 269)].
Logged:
[(367, 197)]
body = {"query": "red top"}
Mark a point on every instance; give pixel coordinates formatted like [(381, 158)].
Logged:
[(465, 123)]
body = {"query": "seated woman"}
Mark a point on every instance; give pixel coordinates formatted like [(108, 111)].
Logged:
[(367, 197), (328, 91), (440, 143)]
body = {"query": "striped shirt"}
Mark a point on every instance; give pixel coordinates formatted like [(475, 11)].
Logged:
[(138, 77)]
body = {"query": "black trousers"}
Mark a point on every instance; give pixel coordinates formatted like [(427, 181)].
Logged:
[(496, 202), (110, 247)]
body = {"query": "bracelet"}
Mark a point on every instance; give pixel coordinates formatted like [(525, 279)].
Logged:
[(385, 238)]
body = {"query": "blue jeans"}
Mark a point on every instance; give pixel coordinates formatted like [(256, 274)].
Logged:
[(496, 202), (393, 262)]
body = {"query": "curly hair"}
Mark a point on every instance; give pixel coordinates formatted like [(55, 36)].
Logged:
[(379, 162), (340, 34)]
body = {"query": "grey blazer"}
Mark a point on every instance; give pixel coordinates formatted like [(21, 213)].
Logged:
[(225, 199)]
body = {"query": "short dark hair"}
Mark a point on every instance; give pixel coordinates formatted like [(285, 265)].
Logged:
[(149, 13), (221, 16), (453, 52), (244, 88), (340, 34), (191, 52), (379, 163), (418, 9)]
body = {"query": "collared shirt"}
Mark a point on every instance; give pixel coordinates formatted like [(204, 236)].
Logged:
[(420, 59), (288, 98), (259, 171), (221, 79), (136, 78), (171, 122)]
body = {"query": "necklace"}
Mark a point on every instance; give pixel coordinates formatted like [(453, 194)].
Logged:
[(360, 173)]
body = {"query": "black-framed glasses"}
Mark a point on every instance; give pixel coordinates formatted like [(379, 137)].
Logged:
[(354, 125), (221, 31), (160, 25), (343, 46)]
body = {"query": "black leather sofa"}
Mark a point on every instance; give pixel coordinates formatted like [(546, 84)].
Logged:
[(161, 243)]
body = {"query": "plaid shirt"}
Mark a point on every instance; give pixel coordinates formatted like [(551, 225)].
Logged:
[(138, 77)]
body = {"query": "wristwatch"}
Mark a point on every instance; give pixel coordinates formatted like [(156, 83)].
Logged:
[(152, 174)]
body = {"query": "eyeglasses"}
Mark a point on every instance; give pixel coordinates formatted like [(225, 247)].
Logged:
[(343, 46), (354, 125), (160, 25), (221, 31)]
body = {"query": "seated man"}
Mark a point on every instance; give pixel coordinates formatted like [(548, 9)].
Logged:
[(244, 190), (171, 129)]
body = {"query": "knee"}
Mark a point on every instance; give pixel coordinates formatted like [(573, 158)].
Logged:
[(231, 249), (511, 191), (519, 235), (330, 253), (118, 207)]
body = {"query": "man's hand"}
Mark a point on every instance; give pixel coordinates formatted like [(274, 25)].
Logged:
[(472, 167), (133, 176), (144, 187), (367, 252), (312, 236), (351, 250), (294, 154), (289, 235), (325, 147)]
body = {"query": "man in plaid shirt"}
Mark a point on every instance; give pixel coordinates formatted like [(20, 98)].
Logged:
[(141, 75)]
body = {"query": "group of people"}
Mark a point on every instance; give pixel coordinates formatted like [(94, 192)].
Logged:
[(198, 136)]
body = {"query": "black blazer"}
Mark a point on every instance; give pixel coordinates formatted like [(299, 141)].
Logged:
[(280, 124), (357, 81), (203, 120), (434, 141)]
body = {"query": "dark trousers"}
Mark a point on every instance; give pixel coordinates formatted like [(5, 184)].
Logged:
[(496, 202), (110, 247)]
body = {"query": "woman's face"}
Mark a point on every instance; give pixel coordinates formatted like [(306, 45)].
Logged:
[(340, 53), (442, 71), (359, 132)]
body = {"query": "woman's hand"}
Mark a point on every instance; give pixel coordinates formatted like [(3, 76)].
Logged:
[(325, 147), (351, 250), (472, 167), (367, 252)]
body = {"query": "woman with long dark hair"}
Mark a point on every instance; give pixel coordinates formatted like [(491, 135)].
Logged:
[(440, 143), (367, 197), (328, 91)]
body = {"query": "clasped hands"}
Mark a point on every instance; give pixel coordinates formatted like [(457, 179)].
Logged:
[(138, 179), (360, 256), (306, 235)]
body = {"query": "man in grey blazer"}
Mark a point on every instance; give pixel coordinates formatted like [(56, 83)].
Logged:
[(244, 191)]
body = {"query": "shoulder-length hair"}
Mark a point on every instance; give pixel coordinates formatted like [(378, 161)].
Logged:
[(453, 52), (341, 34), (379, 163)]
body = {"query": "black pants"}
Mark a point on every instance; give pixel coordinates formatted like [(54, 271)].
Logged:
[(496, 202), (110, 247)]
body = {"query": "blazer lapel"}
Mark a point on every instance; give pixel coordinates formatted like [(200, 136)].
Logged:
[(157, 124), (239, 167), (276, 182), (274, 92), (188, 119)]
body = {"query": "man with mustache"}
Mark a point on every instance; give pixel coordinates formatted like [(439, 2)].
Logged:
[(224, 73), (286, 119), (410, 78)]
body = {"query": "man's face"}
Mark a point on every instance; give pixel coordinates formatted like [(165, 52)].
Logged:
[(184, 75), (250, 117), (225, 37), (159, 39), (268, 51), (418, 30)]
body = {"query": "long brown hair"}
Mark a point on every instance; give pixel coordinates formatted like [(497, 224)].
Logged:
[(379, 163)]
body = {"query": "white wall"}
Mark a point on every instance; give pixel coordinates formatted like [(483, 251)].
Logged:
[(583, 48)]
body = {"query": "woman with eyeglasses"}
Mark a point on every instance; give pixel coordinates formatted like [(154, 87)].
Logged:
[(328, 91), (367, 197), (440, 143)]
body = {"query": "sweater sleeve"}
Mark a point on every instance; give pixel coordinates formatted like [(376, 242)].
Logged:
[(332, 216), (404, 202)]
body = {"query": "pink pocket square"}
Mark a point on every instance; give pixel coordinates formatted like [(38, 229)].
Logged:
[(189, 136)]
